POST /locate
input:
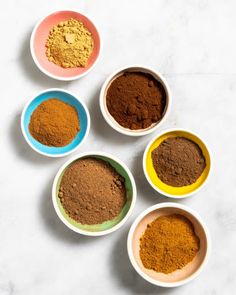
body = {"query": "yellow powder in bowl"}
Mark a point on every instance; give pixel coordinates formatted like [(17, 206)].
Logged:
[(69, 44)]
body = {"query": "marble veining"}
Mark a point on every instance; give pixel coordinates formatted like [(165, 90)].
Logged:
[(192, 42)]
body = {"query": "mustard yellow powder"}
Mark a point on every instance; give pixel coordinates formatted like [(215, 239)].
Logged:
[(168, 243), (69, 44)]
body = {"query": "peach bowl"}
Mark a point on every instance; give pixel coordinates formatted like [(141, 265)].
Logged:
[(38, 50), (180, 276)]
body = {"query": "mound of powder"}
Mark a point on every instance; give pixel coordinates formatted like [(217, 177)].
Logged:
[(91, 191), (69, 44), (178, 161), (136, 100), (54, 123), (168, 244)]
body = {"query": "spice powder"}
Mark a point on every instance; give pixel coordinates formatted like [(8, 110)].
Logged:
[(54, 123), (136, 100), (178, 161), (168, 244), (69, 44), (91, 191)]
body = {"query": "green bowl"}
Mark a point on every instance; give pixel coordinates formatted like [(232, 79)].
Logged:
[(107, 226)]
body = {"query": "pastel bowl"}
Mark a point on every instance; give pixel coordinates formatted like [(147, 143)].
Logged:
[(108, 117), (107, 226), (189, 271), (161, 187), (39, 37), (67, 97)]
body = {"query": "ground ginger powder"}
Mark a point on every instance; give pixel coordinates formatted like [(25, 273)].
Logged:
[(168, 244), (54, 123), (69, 44)]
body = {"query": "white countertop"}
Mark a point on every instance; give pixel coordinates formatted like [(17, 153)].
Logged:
[(193, 43)]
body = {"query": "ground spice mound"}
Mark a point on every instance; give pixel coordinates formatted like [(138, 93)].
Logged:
[(91, 191), (69, 44), (54, 123), (178, 161), (136, 100), (168, 244)]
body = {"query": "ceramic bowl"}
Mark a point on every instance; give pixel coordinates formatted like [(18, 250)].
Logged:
[(105, 227), (161, 187), (39, 37), (178, 277), (108, 117), (67, 97)]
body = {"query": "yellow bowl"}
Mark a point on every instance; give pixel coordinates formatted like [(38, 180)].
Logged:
[(161, 187)]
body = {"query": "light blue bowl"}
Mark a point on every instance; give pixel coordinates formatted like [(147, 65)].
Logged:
[(67, 97)]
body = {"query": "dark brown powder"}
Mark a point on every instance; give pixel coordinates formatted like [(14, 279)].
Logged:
[(136, 100), (178, 161), (91, 191), (168, 243)]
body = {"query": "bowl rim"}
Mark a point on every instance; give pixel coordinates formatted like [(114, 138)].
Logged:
[(61, 154), (160, 206), (145, 169), (41, 68), (144, 68), (85, 232)]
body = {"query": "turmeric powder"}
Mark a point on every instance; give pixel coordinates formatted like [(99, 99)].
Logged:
[(54, 123), (168, 244)]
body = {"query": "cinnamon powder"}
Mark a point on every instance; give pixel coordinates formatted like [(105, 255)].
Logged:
[(91, 191), (136, 100), (54, 123), (178, 161)]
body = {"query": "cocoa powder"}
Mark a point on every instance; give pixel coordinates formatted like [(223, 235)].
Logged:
[(136, 100), (91, 191), (178, 161)]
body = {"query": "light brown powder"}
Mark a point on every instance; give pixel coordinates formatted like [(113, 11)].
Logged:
[(91, 191)]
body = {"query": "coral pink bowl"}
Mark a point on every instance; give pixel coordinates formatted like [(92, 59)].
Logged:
[(38, 49)]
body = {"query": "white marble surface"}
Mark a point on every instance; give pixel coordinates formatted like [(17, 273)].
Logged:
[(193, 43)]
